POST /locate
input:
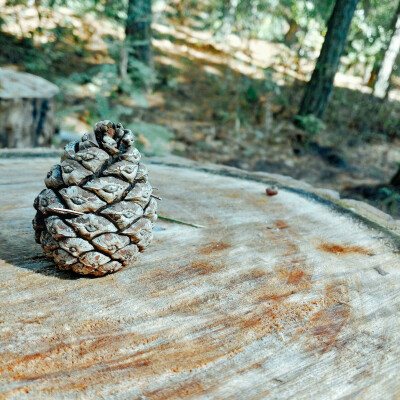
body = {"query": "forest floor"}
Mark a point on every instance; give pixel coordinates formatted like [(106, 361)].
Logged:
[(234, 103)]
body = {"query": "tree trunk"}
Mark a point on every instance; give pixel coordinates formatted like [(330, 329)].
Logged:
[(379, 57), (395, 181), (180, 11), (26, 110), (372, 76), (138, 29), (381, 85), (320, 86)]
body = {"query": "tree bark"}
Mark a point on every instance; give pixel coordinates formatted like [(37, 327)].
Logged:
[(395, 181), (320, 86), (380, 56), (138, 29), (381, 85)]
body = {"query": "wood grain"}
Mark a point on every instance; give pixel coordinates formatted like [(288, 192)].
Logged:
[(277, 297)]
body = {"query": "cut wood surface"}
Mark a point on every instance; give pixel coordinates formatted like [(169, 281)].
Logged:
[(26, 109), (290, 296)]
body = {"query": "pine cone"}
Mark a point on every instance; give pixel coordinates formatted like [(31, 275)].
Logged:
[(97, 212)]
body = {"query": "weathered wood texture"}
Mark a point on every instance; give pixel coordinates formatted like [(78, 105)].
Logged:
[(278, 297), (26, 109)]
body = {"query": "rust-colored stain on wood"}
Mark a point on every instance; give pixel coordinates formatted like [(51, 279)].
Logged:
[(328, 323), (324, 327), (253, 274), (281, 224), (191, 389), (337, 249), (248, 307), (296, 276), (203, 268), (214, 247)]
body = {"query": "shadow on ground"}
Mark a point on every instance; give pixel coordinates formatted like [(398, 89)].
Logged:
[(23, 252)]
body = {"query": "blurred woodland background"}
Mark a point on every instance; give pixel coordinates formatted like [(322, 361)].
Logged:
[(238, 82)]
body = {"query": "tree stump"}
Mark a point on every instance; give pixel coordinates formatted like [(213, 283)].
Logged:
[(26, 110), (295, 295)]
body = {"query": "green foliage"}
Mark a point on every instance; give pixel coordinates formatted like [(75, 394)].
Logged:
[(158, 137), (390, 200), (369, 34), (311, 124), (251, 94), (352, 110), (57, 52), (115, 10), (103, 82), (301, 24), (139, 75)]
